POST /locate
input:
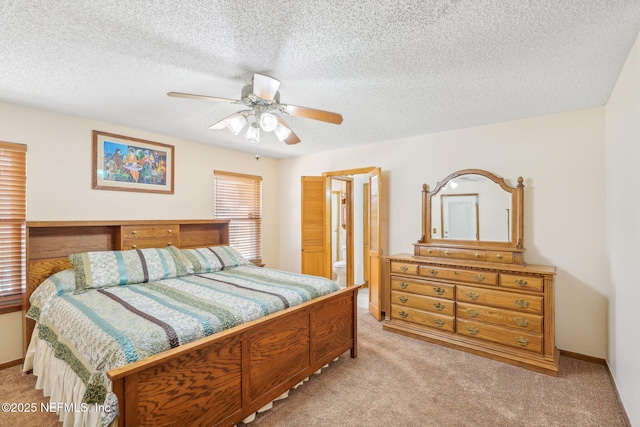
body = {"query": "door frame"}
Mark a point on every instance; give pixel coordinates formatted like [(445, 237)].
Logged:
[(342, 174)]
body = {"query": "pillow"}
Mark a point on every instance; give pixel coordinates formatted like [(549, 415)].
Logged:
[(114, 268), (214, 258), (58, 284), (202, 260), (229, 256)]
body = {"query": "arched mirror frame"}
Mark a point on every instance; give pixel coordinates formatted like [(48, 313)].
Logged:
[(504, 252)]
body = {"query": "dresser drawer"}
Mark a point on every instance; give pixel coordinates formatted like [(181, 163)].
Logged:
[(425, 251), (439, 290), (459, 275), (500, 256), (498, 316), (468, 254), (433, 320), (530, 283), (509, 300), (512, 337), (404, 268), (437, 305), (149, 236)]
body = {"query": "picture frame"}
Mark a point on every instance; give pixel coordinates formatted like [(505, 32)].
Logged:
[(122, 163)]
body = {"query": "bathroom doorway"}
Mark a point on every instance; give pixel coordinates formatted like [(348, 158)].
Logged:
[(366, 229), (341, 227)]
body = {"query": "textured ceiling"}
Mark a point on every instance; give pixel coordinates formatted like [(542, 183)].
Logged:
[(393, 69)]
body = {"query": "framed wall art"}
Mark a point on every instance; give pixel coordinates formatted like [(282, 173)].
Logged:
[(122, 163)]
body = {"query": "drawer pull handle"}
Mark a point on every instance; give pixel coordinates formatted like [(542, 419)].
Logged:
[(168, 243), (429, 251), (439, 323), (438, 291), (403, 299), (521, 283), (134, 246), (433, 272), (169, 231), (479, 277), (134, 232), (472, 330), (403, 314), (522, 341), (473, 313), (499, 256), (403, 285), (472, 296), (404, 269), (446, 253), (522, 303), (521, 322), (477, 255), (439, 306)]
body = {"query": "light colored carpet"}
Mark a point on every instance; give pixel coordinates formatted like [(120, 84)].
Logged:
[(400, 381)]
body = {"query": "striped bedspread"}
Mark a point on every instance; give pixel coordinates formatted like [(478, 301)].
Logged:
[(102, 329)]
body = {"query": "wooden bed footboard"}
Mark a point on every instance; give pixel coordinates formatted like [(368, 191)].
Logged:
[(222, 379)]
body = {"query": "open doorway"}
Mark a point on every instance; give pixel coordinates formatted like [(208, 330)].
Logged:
[(349, 229), (365, 230)]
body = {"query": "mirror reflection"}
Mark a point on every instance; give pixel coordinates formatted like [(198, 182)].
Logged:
[(471, 207)]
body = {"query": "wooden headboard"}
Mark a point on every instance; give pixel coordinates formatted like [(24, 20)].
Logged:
[(49, 244)]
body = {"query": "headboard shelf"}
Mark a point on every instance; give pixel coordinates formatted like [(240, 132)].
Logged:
[(60, 241)]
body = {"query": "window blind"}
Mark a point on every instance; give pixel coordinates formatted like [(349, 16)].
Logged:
[(13, 204), (238, 197)]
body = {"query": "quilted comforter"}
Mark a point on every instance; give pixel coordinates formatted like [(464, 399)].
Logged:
[(98, 330)]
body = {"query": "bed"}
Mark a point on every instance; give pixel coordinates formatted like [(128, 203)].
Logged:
[(214, 380)]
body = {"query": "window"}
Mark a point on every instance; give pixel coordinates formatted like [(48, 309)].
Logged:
[(13, 195), (238, 197)]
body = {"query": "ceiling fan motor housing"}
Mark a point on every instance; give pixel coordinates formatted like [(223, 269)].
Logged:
[(251, 100)]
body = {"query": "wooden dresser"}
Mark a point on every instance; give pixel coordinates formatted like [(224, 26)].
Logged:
[(505, 312), (473, 296)]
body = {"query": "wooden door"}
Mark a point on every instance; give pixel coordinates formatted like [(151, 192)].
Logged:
[(365, 234), (316, 229), (349, 230), (376, 290)]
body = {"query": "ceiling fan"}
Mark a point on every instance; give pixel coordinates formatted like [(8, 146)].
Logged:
[(262, 99)]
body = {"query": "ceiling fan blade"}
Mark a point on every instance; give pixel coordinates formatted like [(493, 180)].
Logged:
[(311, 113), (206, 98), (292, 138), (224, 122), (265, 87)]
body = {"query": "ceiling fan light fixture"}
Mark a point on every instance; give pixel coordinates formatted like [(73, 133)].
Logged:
[(236, 124), (268, 122), (282, 132), (262, 102), (253, 133)]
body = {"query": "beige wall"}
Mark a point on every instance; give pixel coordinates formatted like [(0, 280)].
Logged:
[(561, 158), (59, 183), (623, 232)]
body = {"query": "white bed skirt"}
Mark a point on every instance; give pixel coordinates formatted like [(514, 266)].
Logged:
[(65, 389)]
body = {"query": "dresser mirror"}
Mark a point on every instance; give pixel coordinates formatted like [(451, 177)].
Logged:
[(473, 209)]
